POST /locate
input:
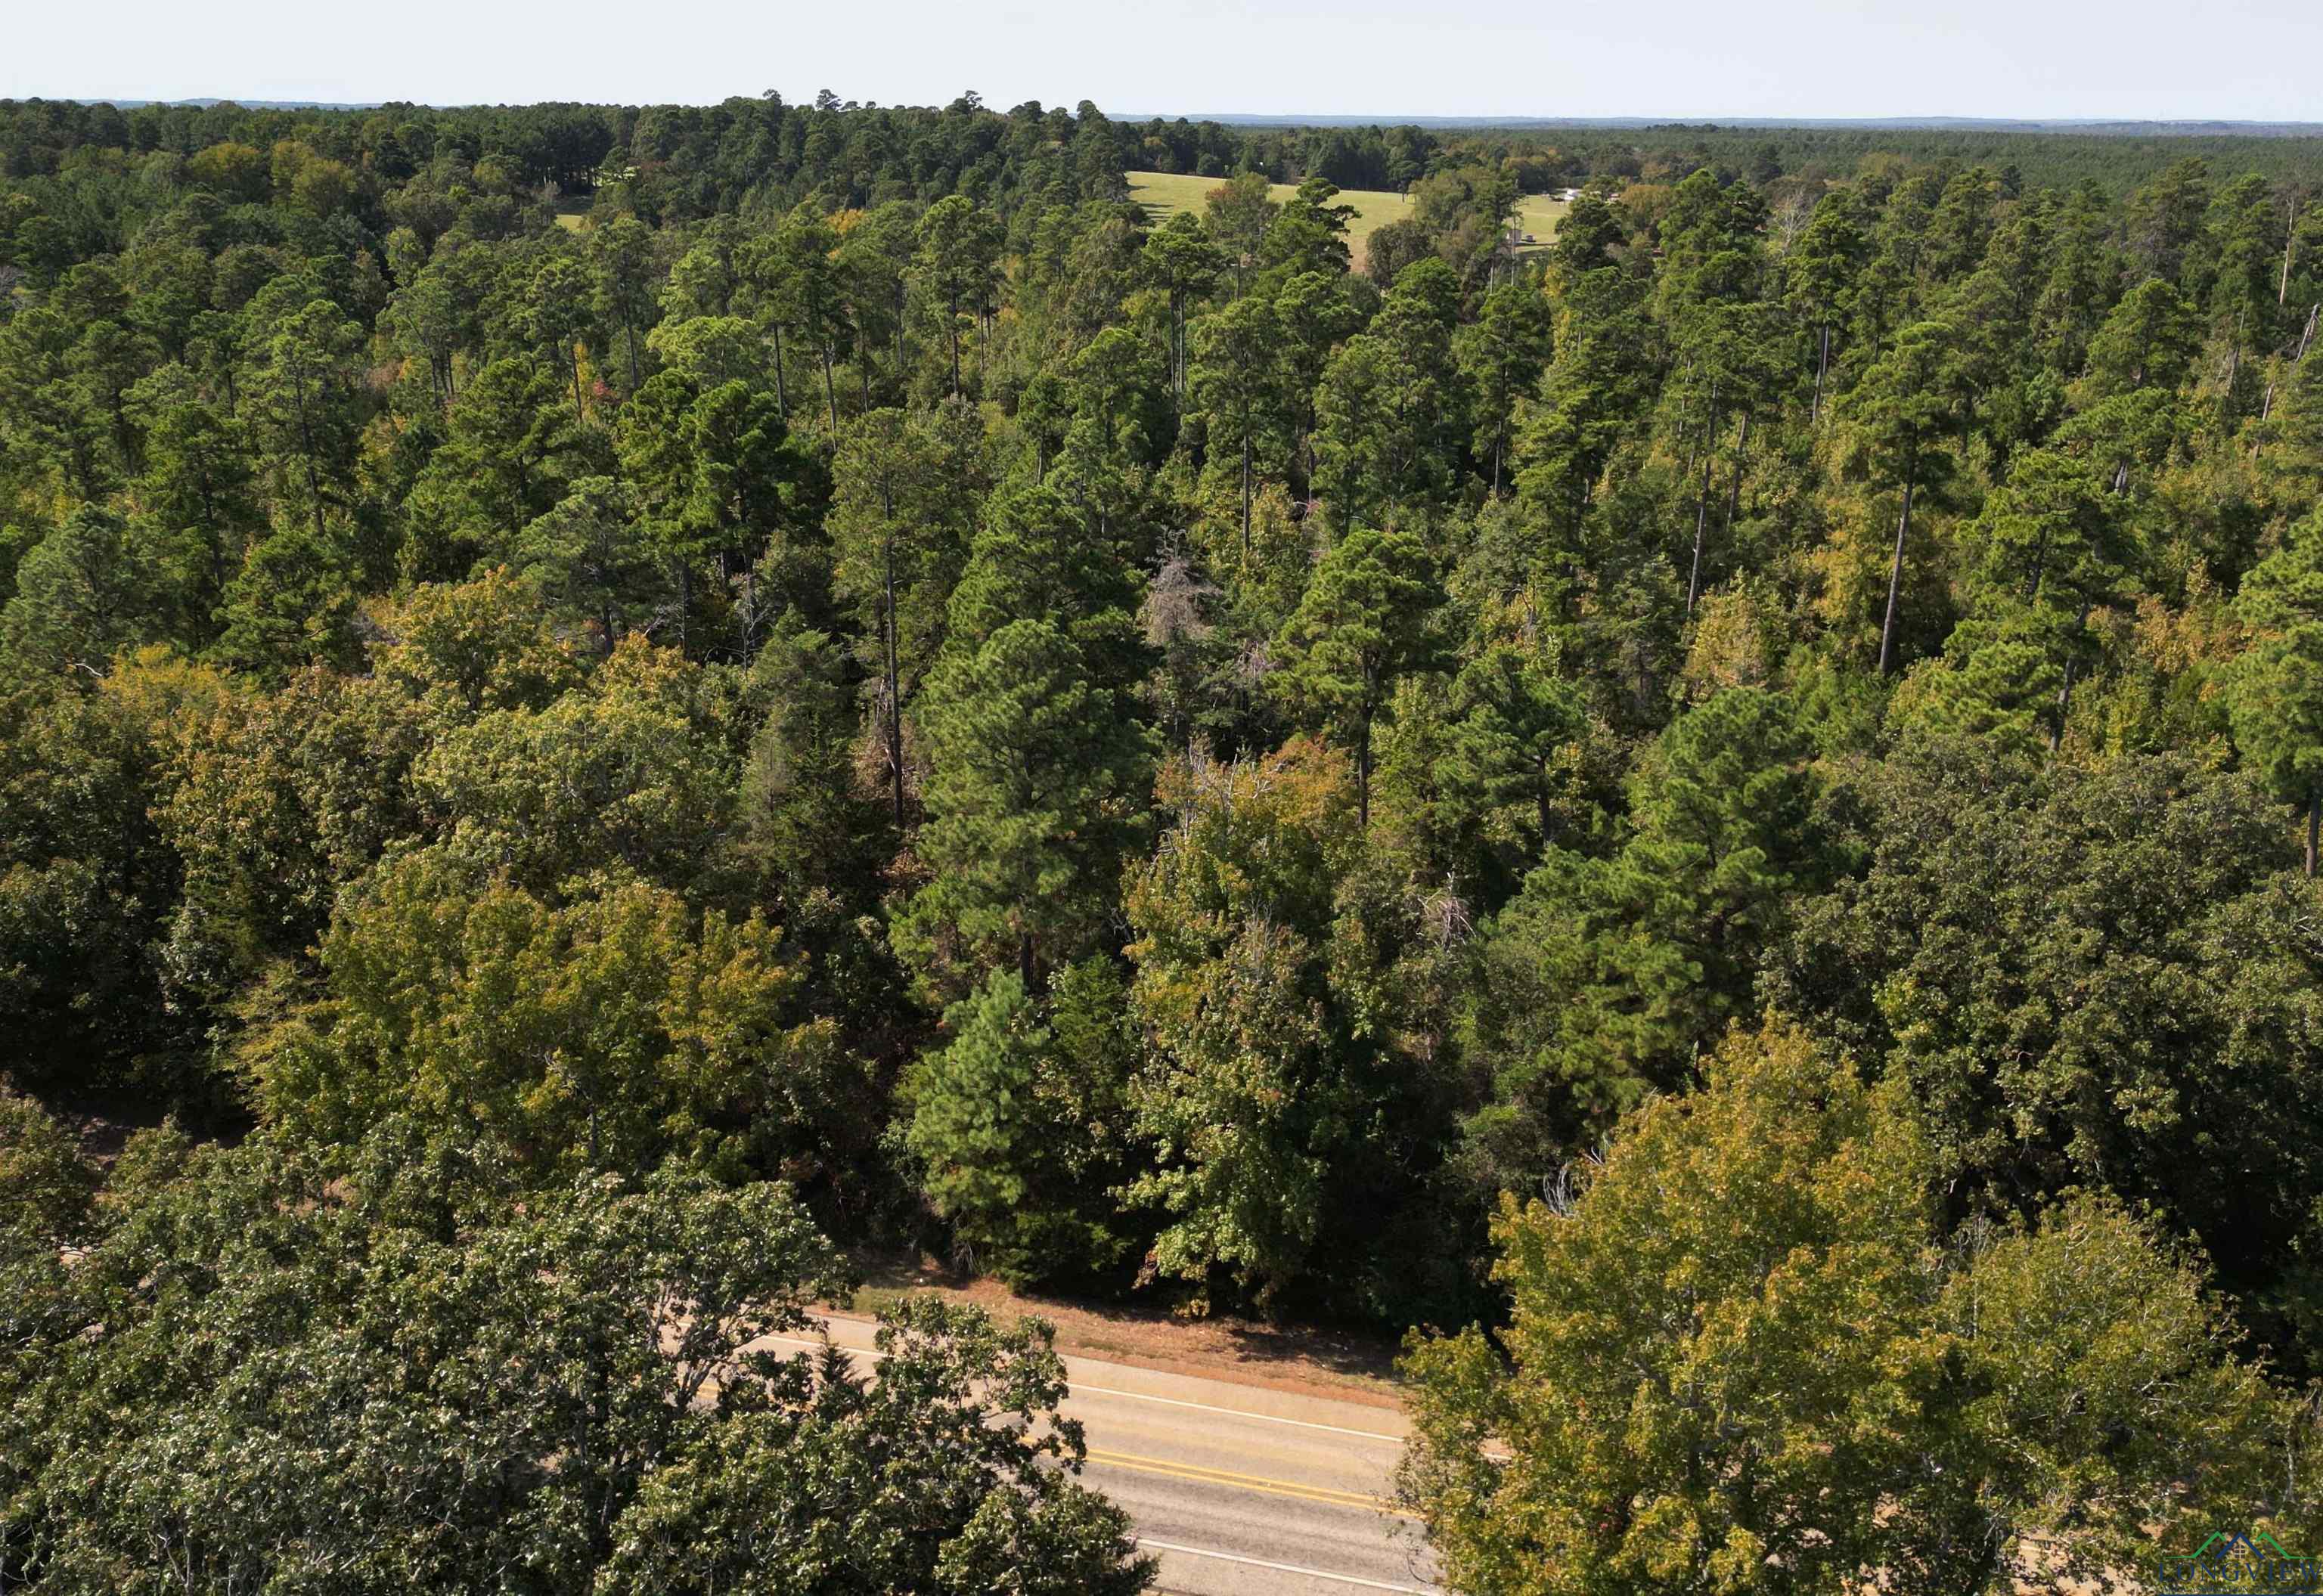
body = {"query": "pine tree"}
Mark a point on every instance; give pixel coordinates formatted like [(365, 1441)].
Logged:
[(1505, 354), (1515, 718), (1901, 407), (2276, 689), (1240, 387), (1361, 624), (1019, 1118), (905, 487), (1605, 977), (1035, 792), (1184, 265), (2149, 341), (292, 603), (805, 820), (960, 249)]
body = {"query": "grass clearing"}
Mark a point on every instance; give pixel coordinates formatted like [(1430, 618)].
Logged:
[(1165, 194), (1537, 216)]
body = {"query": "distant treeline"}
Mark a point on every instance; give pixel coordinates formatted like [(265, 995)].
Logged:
[(1542, 158), (676, 164), (685, 162)]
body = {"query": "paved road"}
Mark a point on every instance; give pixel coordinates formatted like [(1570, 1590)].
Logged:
[(1239, 1490)]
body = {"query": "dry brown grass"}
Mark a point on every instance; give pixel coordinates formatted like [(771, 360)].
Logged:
[(1344, 1365)]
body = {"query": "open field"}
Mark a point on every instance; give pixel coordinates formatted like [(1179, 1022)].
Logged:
[(1539, 215), (1165, 194)]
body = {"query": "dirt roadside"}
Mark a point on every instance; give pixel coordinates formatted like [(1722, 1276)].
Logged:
[(1305, 1361)]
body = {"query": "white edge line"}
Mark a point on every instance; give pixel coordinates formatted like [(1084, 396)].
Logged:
[(1243, 1413), (1344, 1579), (1102, 1390)]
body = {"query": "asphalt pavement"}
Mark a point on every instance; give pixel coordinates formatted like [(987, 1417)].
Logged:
[(1238, 1490)]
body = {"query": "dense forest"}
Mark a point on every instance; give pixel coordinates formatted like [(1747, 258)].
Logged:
[(598, 704)]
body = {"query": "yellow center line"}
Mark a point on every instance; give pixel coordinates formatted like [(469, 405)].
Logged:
[(1196, 1471)]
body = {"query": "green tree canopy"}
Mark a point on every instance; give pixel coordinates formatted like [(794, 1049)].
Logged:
[(1743, 1357), (368, 1384)]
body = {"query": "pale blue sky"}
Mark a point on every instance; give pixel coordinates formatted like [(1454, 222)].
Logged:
[(2242, 59)]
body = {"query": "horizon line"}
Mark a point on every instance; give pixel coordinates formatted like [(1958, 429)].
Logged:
[(1278, 118)]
